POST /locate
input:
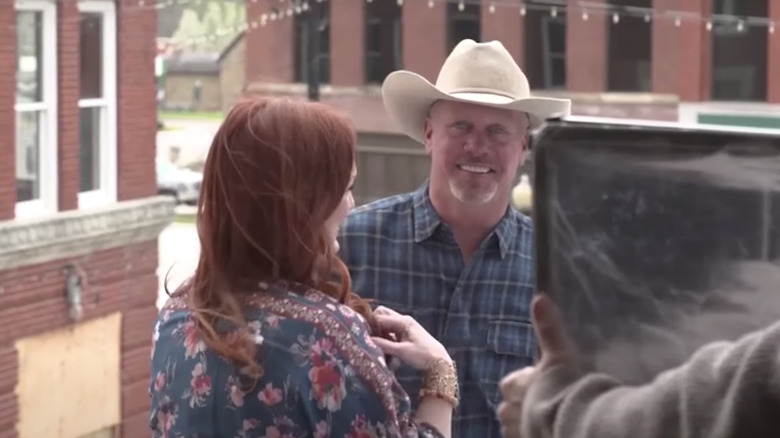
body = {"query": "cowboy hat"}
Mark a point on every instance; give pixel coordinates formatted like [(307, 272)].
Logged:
[(480, 73)]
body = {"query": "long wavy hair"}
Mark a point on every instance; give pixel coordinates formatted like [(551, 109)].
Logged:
[(276, 171)]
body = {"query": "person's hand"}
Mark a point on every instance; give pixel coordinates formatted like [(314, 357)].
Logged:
[(555, 350), (412, 345)]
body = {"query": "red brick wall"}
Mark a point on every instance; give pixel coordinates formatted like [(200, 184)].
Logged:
[(773, 52), (504, 24), (7, 118), (586, 51), (137, 118), (137, 106), (694, 57), (269, 48), (121, 279), (68, 102), (347, 38)]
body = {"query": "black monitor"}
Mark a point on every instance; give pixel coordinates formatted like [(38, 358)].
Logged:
[(656, 238)]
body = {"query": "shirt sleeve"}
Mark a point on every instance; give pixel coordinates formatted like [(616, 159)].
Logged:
[(725, 390)]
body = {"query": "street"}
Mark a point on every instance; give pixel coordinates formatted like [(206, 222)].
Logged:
[(192, 137), (179, 251)]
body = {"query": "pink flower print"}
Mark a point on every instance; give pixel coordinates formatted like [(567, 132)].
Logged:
[(270, 395), (327, 386), (321, 430), (165, 421), (319, 348), (273, 321), (200, 385), (274, 432), (361, 428), (159, 381), (192, 342), (247, 426), (236, 395)]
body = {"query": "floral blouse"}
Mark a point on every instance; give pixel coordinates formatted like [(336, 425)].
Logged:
[(323, 375)]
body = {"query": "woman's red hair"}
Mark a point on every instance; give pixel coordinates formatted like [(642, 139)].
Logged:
[(276, 171)]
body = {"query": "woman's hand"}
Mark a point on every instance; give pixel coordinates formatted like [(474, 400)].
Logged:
[(413, 345)]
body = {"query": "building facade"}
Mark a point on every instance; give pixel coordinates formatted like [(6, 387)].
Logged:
[(79, 216), (647, 59)]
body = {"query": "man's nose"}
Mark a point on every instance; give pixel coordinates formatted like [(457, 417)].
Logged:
[(476, 143)]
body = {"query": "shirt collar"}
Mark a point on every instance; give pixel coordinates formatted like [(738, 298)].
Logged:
[(427, 220)]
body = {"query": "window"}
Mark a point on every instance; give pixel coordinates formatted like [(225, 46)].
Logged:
[(97, 104), (383, 39), (554, 51), (301, 39), (463, 24), (36, 108)]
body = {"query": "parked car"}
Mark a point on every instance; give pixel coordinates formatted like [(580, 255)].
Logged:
[(183, 184)]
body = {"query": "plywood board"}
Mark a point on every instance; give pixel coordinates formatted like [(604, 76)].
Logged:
[(69, 380)]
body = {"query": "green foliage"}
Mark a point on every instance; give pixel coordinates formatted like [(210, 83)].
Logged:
[(209, 25)]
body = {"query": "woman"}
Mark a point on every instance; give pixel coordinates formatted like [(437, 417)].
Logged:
[(266, 338)]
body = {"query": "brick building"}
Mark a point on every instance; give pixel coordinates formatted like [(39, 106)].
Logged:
[(649, 59), (79, 218)]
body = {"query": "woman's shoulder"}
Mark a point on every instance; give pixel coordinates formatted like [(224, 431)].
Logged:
[(314, 351), (280, 315), (306, 305)]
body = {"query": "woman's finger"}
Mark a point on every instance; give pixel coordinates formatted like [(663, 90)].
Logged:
[(389, 347), (393, 323), (382, 310)]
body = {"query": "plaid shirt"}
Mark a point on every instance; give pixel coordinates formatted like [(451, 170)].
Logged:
[(403, 256)]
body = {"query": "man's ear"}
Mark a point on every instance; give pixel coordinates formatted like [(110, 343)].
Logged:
[(428, 134)]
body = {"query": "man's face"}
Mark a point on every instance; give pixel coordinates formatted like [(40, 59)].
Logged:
[(475, 150)]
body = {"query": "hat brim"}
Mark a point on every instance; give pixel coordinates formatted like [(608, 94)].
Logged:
[(408, 97)]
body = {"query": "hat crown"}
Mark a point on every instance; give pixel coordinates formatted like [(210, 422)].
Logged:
[(486, 67)]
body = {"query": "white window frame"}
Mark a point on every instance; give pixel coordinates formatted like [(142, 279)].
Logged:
[(48, 170), (107, 193)]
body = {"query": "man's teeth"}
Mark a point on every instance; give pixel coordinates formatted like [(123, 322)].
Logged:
[(475, 169)]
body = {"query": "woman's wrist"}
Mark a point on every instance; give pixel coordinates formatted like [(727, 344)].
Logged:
[(440, 380)]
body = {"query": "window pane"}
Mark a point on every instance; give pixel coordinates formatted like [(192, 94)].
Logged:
[(373, 35), (29, 56), (89, 128), (28, 139), (91, 66)]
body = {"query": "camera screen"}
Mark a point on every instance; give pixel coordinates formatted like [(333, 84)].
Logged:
[(655, 240)]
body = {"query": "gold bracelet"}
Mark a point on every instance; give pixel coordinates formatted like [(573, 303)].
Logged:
[(440, 380)]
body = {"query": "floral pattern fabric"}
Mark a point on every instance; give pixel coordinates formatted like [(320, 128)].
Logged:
[(323, 376)]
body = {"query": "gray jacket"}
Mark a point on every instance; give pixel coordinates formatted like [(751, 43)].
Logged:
[(724, 390)]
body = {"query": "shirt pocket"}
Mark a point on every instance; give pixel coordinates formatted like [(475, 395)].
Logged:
[(510, 345)]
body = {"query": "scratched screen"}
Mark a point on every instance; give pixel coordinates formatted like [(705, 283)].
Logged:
[(656, 240)]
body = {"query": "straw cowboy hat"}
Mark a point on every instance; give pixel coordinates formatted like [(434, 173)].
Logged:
[(480, 73)]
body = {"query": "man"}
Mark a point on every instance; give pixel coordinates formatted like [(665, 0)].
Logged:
[(453, 254)]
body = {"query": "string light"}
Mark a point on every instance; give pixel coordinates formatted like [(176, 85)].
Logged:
[(585, 9)]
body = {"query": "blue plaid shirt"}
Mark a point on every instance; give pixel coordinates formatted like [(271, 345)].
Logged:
[(402, 255)]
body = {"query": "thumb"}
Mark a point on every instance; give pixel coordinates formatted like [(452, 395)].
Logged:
[(550, 331)]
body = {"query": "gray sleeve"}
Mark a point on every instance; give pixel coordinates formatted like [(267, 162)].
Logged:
[(725, 390)]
